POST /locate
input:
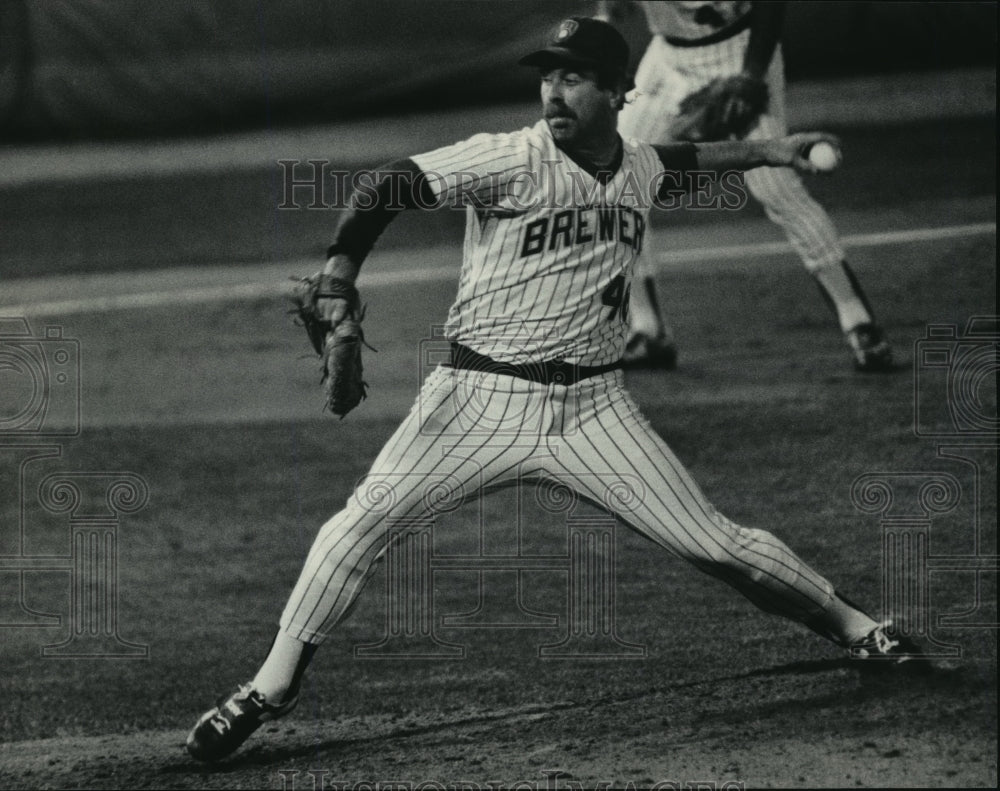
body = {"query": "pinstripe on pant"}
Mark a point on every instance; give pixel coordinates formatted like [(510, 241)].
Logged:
[(470, 432)]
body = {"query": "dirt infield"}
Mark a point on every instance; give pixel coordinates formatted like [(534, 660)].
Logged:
[(214, 405), (728, 731), (724, 693)]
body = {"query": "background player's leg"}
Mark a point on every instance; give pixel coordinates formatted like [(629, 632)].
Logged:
[(813, 236), (646, 117), (671, 510), (651, 338)]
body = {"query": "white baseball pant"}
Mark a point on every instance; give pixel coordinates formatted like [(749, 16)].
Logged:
[(470, 432)]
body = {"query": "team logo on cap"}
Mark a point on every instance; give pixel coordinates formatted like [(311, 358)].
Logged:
[(567, 29)]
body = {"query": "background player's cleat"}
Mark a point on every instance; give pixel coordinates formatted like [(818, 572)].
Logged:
[(878, 651), (220, 731), (870, 349), (646, 351)]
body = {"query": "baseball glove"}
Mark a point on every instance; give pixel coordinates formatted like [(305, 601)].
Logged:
[(725, 109), (339, 346)]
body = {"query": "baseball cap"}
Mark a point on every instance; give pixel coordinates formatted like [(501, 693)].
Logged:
[(583, 41)]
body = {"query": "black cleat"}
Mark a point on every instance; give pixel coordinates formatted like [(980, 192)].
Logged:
[(646, 351), (221, 731), (870, 350)]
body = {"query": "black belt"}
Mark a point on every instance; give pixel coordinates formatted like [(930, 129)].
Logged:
[(713, 38), (549, 372)]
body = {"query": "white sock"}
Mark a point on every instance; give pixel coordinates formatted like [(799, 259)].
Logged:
[(276, 676), (849, 623)]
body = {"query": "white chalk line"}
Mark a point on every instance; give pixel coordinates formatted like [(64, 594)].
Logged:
[(860, 240), (382, 278)]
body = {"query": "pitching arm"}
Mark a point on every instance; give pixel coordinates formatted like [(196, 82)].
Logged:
[(728, 155)]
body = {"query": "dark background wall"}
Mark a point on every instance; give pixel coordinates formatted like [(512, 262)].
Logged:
[(106, 68)]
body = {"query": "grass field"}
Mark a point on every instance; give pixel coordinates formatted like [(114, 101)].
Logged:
[(212, 407)]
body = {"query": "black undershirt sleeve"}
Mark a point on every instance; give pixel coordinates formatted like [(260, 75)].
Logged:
[(378, 197), (678, 160)]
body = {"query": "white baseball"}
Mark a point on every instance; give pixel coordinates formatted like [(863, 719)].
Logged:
[(824, 156)]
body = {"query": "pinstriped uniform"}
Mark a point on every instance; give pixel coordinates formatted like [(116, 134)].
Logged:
[(668, 73), (525, 296), (542, 229)]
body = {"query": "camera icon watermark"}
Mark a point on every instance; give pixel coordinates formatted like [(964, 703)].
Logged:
[(907, 503), (95, 504), (39, 381), (39, 403), (955, 383), (955, 407)]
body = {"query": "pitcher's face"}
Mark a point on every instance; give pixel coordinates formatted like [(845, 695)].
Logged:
[(576, 107)]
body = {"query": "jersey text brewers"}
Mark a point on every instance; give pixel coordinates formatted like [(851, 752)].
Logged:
[(548, 244)]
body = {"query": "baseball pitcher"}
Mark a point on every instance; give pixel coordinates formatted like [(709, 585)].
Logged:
[(557, 214)]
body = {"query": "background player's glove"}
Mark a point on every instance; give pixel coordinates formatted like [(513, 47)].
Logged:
[(338, 344), (725, 109)]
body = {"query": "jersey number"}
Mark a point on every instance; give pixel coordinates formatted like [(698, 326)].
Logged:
[(616, 296)]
